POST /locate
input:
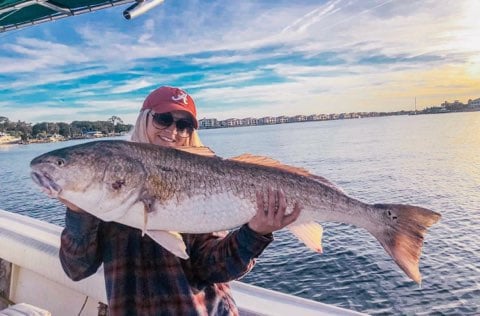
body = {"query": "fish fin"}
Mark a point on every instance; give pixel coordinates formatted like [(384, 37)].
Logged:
[(147, 201), (201, 151), (310, 234), (267, 161), (261, 160), (403, 238), (326, 182), (109, 216), (171, 241)]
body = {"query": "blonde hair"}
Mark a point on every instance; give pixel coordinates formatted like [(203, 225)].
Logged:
[(139, 133)]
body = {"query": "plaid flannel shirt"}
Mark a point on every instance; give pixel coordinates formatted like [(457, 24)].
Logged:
[(142, 278)]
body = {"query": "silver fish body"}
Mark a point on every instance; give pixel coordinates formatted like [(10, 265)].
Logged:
[(164, 190)]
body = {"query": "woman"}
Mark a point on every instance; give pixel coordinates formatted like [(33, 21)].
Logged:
[(141, 277)]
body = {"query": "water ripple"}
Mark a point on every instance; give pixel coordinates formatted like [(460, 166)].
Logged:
[(423, 160)]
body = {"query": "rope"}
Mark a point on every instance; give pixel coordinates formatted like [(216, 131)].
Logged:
[(83, 306)]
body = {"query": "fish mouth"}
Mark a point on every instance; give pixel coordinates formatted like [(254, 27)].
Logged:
[(46, 183)]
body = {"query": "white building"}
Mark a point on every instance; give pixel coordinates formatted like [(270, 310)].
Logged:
[(474, 104), (317, 117), (249, 121), (208, 123), (299, 118), (94, 134), (267, 120), (231, 122)]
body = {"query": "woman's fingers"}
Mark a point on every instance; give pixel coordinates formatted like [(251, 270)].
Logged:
[(272, 212), (277, 207), (292, 217)]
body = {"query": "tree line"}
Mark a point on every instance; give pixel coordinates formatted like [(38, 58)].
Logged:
[(73, 130)]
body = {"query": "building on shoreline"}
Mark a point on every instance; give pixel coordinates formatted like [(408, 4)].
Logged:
[(474, 104), (208, 123), (445, 107)]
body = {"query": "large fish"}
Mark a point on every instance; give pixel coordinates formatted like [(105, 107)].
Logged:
[(165, 191)]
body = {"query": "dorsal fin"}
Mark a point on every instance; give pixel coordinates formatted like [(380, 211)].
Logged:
[(326, 182), (201, 151), (267, 161)]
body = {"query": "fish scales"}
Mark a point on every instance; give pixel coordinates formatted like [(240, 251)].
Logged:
[(165, 190)]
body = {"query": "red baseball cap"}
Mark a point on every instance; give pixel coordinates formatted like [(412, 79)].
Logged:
[(166, 99)]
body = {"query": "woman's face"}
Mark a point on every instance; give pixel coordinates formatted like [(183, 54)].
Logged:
[(170, 136)]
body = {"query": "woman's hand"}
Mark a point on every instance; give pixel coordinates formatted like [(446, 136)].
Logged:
[(70, 206), (271, 215)]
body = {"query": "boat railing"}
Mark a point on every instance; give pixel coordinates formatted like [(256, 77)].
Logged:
[(30, 272)]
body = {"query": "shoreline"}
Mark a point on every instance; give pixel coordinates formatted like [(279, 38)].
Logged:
[(12, 140), (45, 141), (355, 116)]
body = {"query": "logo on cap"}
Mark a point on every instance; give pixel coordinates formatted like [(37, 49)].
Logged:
[(180, 96)]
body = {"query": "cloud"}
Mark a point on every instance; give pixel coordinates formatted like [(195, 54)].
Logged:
[(250, 58), (132, 85), (312, 17), (32, 55)]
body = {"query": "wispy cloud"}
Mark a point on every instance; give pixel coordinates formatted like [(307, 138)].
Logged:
[(132, 85), (312, 17)]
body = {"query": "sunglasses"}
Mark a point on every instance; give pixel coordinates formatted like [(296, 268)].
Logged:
[(164, 120)]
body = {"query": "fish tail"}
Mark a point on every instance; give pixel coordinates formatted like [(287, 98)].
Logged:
[(403, 237)]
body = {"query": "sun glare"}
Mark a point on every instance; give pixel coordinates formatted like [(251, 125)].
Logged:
[(473, 68), (468, 37)]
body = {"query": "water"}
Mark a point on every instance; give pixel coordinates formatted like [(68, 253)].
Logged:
[(427, 160)]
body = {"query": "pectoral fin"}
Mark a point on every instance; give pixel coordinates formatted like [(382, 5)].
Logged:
[(310, 234), (172, 241), (147, 201)]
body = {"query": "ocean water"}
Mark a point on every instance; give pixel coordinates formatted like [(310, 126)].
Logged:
[(427, 160)]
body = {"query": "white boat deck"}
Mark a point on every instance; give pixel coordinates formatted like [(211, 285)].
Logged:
[(37, 277)]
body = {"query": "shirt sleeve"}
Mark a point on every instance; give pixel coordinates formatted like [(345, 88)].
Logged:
[(79, 245), (217, 259)]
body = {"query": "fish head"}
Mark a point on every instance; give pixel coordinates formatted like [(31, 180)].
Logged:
[(67, 169), (98, 177)]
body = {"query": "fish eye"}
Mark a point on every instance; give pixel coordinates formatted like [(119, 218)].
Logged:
[(60, 162)]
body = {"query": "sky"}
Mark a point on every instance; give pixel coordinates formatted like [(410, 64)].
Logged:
[(245, 59)]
